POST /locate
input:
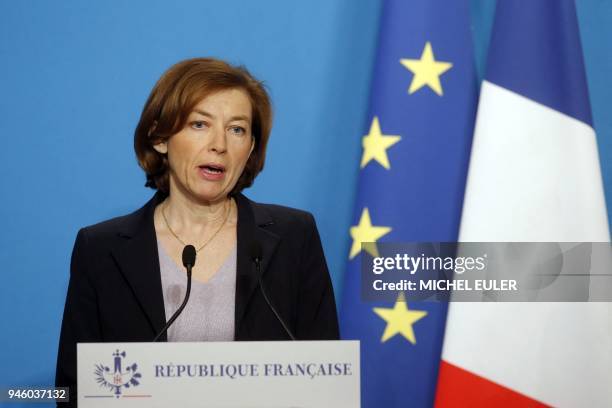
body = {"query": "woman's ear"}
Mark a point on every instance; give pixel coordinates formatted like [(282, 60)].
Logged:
[(252, 145), (161, 147)]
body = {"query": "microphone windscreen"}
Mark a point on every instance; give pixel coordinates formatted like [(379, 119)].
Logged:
[(255, 250), (189, 256)]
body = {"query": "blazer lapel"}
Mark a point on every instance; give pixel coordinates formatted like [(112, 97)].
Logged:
[(138, 259), (251, 228)]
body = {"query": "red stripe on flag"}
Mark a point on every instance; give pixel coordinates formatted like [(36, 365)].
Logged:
[(460, 388)]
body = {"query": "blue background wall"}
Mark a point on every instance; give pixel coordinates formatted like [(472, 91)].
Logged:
[(74, 76)]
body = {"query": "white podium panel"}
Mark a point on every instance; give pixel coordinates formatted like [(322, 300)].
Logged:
[(226, 374)]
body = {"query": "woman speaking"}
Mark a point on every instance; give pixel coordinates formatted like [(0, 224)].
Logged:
[(259, 271)]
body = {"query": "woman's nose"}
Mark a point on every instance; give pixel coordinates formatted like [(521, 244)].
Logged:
[(217, 142)]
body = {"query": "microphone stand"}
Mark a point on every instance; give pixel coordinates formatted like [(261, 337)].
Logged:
[(189, 254), (257, 260)]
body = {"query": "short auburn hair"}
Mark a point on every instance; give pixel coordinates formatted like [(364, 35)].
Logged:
[(173, 98)]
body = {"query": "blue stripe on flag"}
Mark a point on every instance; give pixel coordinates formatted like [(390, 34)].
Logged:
[(546, 64)]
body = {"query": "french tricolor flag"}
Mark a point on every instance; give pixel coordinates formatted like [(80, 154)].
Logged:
[(534, 175)]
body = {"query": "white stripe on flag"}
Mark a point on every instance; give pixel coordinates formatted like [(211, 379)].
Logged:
[(534, 175)]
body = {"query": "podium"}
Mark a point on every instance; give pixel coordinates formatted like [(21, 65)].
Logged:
[(219, 374)]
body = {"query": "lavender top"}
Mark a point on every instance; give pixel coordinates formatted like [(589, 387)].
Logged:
[(209, 314)]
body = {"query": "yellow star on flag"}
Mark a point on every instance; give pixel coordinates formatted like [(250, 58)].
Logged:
[(426, 71), (375, 145), (366, 232), (399, 319)]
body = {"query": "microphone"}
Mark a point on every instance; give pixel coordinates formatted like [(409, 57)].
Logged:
[(189, 258), (256, 255)]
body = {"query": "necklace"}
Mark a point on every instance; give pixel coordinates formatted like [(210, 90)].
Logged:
[(227, 213)]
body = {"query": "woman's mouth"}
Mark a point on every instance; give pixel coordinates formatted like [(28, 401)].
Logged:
[(212, 172)]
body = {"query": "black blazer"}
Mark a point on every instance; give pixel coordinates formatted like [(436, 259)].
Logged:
[(115, 291)]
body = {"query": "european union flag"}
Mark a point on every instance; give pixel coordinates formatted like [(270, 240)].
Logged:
[(411, 184)]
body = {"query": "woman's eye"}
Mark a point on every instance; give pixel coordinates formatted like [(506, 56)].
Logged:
[(237, 130), (198, 124)]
